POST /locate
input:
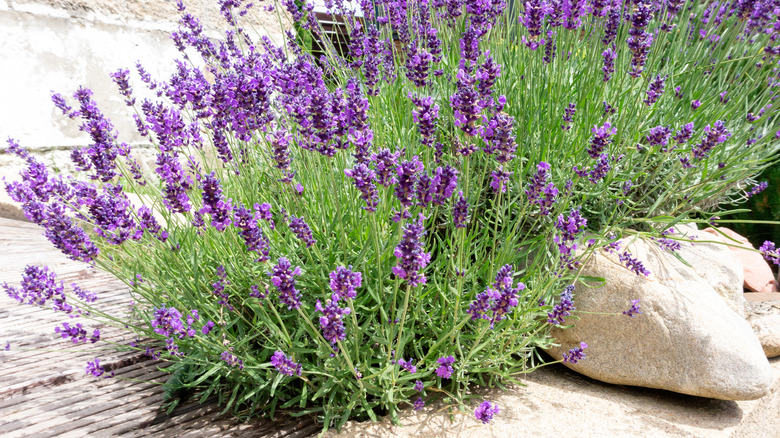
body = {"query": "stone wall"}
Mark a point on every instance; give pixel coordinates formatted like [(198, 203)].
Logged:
[(58, 45)]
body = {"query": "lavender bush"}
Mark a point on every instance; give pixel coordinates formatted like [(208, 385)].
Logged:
[(350, 234)]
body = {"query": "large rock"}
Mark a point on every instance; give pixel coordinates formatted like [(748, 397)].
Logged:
[(758, 275), (688, 340), (763, 314)]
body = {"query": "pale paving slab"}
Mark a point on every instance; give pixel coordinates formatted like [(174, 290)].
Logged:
[(559, 402)]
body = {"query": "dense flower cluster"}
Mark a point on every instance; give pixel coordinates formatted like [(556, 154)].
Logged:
[(411, 254), (485, 411), (499, 299), (344, 283), (576, 354), (445, 369), (285, 365), (283, 277), (564, 307)]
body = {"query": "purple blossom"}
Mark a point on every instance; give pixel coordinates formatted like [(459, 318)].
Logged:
[(549, 48), (500, 298), (422, 190), (655, 90), (75, 333), (418, 64), (218, 288), (407, 173), (386, 164), (634, 310), (486, 411), (499, 138), (601, 139), (639, 40), (487, 73), (97, 370), (460, 211), (425, 115), (568, 116), (419, 403), (500, 179), (609, 56), (283, 277), (411, 254), (532, 18), (167, 322), (285, 365), (713, 136), (576, 354), (418, 386), (658, 136), (331, 321), (445, 369), (175, 183), (770, 252), (215, 204), (612, 24), (695, 104), (539, 191), (38, 285), (634, 264), (758, 188), (149, 224), (569, 227), (249, 224), (344, 283), (207, 327), (466, 103), (564, 307), (408, 365), (302, 230), (443, 184), (684, 134), (231, 360)]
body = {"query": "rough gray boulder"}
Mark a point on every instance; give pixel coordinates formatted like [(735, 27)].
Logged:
[(688, 340)]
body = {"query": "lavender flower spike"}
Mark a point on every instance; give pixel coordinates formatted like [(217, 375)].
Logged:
[(770, 252), (411, 255), (634, 310), (486, 411), (283, 277), (344, 282), (285, 365), (576, 354)]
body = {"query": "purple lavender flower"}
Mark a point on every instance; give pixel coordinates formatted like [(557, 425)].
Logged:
[(445, 369), (218, 288), (770, 252), (655, 90), (758, 188), (231, 360), (612, 24), (344, 282), (486, 411), (466, 103), (499, 138), (302, 230), (634, 264), (422, 190), (418, 386), (97, 370), (408, 365), (658, 136), (175, 183), (723, 98), (38, 285), (684, 134), (576, 354), (678, 93), (487, 73), (425, 115), (331, 321), (639, 40), (215, 204), (253, 235), (539, 191), (167, 321), (500, 179), (407, 173), (283, 277), (695, 104), (500, 298), (120, 78), (418, 64), (285, 365), (460, 211), (532, 17), (601, 139), (386, 164), (563, 308), (634, 310), (75, 333), (608, 109), (569, 227), (443, 184), (419, 403), (609, 56), (713, 136), (149, 224), (207, 327), (410, 253), (568, 116)]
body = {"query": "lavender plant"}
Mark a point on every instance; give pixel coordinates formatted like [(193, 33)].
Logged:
[(352, 234)]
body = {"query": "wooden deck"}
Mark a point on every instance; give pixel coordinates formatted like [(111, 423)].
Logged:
[(44, 390)]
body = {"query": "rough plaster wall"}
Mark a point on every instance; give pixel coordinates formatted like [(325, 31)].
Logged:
[(58, 45)]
